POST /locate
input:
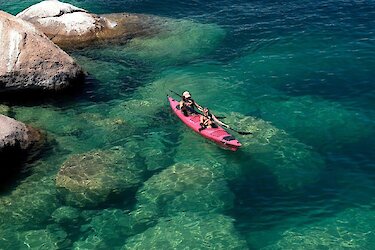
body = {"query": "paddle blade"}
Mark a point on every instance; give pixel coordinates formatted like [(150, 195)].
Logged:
[(244, 133)]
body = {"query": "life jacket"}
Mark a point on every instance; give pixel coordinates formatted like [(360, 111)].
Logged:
[(189, 103)]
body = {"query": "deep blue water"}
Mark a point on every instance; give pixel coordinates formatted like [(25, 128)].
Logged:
[(298, 73)]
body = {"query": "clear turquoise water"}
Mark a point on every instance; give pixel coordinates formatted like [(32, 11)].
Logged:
[(297, 73)]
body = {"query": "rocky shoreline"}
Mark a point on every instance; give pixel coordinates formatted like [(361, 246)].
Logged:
[(32, 63), (70, 27)]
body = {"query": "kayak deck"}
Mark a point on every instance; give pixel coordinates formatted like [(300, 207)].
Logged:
[(217, 135)]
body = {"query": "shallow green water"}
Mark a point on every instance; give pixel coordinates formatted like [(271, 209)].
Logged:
[(299, 75)]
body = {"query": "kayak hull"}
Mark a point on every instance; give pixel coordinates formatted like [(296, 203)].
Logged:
[(217, 135)]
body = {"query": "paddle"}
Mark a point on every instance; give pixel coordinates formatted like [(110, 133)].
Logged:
[(228, 127), (192, 110), (240, 132)]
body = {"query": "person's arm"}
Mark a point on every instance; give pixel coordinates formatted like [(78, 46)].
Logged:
[(201, 119), (219, 122), (181, 104), (199, 107)]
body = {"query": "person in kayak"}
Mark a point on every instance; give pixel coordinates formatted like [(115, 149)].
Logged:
[(208, 120), (188, 105)]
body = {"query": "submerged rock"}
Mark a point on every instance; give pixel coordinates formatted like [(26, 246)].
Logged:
[(221, 162), (90, 178), (189, 231), (135, 112), (177, 41), (30, 61), (312, 118), (293, 163), (67, 25), (4, 110), (66, 215), (91, 242), (184, 187), (30, 204), (111, 227), (350, 229), (50, 238)]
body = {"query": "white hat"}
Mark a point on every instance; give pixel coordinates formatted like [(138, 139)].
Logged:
[(186, 94)]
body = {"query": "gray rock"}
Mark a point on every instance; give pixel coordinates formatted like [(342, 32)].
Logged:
[(90, 178), (30, 61), (67, 25), (17, 136)]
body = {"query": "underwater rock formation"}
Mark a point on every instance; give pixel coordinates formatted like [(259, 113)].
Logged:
[(185, 187), (4, 110), (66, 215), (30, 205), (293, 163), (30, 61), (313, 118), (110, 228), (90, 178), (176, 41), (220, 161), (349, 229), (189, 230), (69, 26), (170, 42), (51, 237)]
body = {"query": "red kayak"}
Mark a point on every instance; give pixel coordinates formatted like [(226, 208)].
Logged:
[(217, 135)]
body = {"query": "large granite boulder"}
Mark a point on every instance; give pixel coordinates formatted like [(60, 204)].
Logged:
[(18, 143), (86, 180), (16, 137), (30, 61), (67, 25)]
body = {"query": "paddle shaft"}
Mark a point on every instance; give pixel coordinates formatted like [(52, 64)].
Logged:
[(240, 132)]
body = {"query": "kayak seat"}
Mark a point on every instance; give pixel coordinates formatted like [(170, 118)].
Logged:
[(178, 107)]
